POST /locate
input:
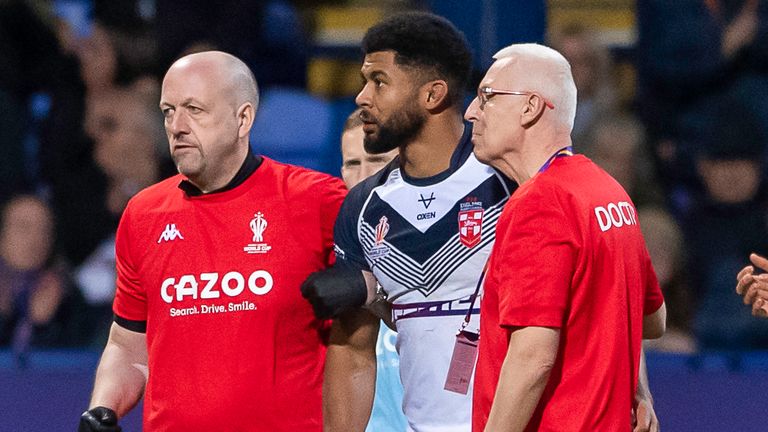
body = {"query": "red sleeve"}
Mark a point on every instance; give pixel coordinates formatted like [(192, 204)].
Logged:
[(653, 296), (130, 297), (536, 262)]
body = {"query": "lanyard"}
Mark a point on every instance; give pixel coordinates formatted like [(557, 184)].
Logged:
[(468, 316), (565, 151)]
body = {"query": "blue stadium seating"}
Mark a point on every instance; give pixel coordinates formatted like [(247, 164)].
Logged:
[(295, 127), (706, 392)]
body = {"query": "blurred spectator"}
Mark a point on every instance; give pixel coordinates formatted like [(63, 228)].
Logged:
[(32, 284), (11, 144), (616, 146), (131, 149), (116, 49), (687, 51), (664, 241), (129, 140), (725, 224), (27, 51), (267, 35), (110, 56), (33, 62), (591, 67)]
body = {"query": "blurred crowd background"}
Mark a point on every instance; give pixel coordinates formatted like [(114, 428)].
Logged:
[(673, 102)]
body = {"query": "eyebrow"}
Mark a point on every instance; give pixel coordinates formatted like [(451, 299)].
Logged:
[(376, 73), (186, 102), (377, 158)]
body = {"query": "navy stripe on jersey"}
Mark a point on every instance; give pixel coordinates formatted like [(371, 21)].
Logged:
[(423, 239), (432, 309), (411, 241), (429, 275)]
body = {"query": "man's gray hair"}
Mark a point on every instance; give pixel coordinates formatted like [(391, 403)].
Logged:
[(555, 82)]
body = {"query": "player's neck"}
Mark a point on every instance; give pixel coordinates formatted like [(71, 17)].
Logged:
[(430, 152), (522, 165)]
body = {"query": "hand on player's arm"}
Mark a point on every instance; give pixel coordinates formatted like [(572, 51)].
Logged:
[(524, 374), (644, 416), (120, 380), (338, 289), (754, 287), (350, 372)]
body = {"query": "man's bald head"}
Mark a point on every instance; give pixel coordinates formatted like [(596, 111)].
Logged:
[(540, 69), (209, 102), (225, 70)]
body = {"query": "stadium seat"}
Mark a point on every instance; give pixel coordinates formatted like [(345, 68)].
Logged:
[(294, 127)]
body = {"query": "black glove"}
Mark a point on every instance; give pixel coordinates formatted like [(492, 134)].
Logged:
[(99, 419), (334, 291)]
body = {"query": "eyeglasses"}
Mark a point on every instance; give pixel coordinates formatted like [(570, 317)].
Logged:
[(485, 93)]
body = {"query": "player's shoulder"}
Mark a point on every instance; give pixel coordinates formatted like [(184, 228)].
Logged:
[(363, 190)]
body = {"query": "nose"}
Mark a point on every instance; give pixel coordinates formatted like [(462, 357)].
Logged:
[(177, 123), (472, 112), (363, 98)]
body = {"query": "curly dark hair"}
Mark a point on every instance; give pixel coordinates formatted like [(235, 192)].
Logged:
[(426, 43)]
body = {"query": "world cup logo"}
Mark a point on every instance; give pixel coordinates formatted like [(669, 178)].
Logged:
[(381, 229), (258, 225)]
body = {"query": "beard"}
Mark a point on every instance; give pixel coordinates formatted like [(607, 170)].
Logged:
[(397, 131)]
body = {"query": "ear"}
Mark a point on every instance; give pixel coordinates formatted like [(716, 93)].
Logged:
[(434, 94), (532, 110), (245, 116)]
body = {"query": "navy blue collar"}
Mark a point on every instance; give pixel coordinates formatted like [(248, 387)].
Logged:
[(459, 156)]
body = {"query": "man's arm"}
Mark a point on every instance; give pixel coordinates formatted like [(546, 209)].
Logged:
[(350, 363), (645, 419), (122, 371), (524, 374), (350, 372), (655, 324)]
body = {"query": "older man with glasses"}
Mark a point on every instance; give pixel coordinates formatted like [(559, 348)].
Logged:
[(570, 291)]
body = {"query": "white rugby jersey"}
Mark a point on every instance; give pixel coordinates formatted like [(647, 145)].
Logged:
[(426, 241)]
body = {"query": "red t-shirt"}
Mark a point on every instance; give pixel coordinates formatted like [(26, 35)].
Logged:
[(232, 344), (569, 254)]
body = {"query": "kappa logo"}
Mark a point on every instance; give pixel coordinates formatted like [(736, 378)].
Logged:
[(170, 233), (258, 225)]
